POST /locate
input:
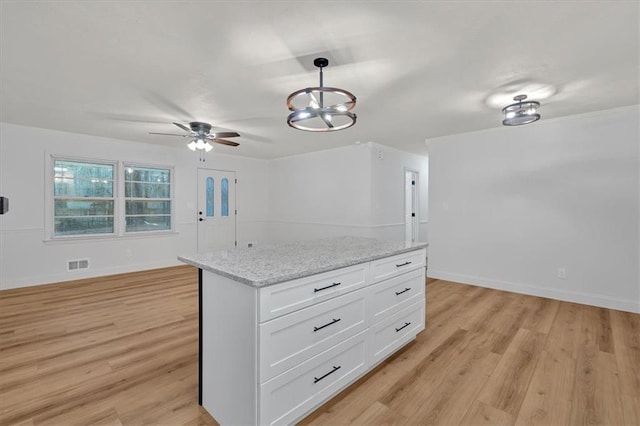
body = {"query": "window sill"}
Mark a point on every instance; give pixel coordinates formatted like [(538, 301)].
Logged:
[(92, 238)]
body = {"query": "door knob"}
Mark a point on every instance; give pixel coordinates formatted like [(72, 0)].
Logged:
[(200, 219)]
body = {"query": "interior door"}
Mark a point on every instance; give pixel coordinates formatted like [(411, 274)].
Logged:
[(216, 209), (411, 220)]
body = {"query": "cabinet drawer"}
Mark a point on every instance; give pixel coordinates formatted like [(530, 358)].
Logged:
[(289, 396), (290, 339), (390, 267), (393, 294), (280, 299), (392, 333)]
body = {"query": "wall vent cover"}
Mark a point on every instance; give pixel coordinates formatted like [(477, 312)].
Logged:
[(74, 265)]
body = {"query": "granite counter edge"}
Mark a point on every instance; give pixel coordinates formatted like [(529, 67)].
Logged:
[(288, 277)]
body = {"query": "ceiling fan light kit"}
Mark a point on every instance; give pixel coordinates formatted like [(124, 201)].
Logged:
[(201, 136), (321, 109), (520, 112)]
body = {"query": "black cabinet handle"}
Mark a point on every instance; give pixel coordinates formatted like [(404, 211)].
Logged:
[(317, 379), (326, 325), (406, 324), (403, 264), (315, 290), (398, 293)]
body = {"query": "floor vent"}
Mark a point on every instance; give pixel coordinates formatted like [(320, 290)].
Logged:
[(74, 265)]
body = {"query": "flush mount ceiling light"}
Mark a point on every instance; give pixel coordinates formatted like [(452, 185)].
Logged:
[(321, 109), (520, 112)]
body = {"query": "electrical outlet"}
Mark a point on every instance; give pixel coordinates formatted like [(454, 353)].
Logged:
[(562, 273)]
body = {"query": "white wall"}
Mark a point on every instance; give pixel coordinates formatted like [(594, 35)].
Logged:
[(320, 194), (26, 259), (510, 206), (388, 167), (353, 190)]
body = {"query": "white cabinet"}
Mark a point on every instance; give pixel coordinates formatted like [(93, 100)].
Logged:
[(394, 332), (291, 339), (392, 266), (271, 355), (292, 295), (390, 296), (291, 395)]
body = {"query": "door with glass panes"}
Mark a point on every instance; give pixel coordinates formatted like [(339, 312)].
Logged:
[(216, 215)]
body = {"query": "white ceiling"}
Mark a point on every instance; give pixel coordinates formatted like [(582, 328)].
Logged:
[(121, 69)]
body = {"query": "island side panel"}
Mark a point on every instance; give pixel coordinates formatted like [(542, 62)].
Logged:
[(200, 336), (229, 350)]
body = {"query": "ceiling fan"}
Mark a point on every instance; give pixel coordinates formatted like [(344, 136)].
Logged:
[(200, 135)]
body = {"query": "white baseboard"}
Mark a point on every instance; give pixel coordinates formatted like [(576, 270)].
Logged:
[(89, 273), (550, 293)]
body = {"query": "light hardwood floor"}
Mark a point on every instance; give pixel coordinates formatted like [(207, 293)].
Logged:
[(123, 350)]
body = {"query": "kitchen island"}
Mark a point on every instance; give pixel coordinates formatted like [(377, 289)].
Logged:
[(283, 328)]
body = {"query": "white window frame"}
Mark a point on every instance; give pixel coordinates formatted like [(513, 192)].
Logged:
[(119, 224), (122, 207)]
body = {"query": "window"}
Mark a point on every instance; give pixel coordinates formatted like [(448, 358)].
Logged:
[(90, 198), (209, 197), (224, 189), (83, 198), (147, 193)]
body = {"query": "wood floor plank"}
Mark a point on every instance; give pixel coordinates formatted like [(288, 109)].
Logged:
[(631, 410), (626, 338), (380, 415), (451, 399), (542, 315), (507, 386), (596, 397), (481, 414), (564, 335), (549, 397)]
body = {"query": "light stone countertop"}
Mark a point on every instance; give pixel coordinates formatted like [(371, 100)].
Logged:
[(271, 264)]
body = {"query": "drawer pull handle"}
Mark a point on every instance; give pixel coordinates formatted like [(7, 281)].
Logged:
[(406, 324), (326, 325), (315, 290), (403, 264), (398, 293), (317, 379)]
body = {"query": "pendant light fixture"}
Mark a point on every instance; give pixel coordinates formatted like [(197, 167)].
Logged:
[(520, 112), (321, 109)]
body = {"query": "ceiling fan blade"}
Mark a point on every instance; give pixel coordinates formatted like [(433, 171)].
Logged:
[(224, 135), (225, 142), (183, 127), (168, 134)]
